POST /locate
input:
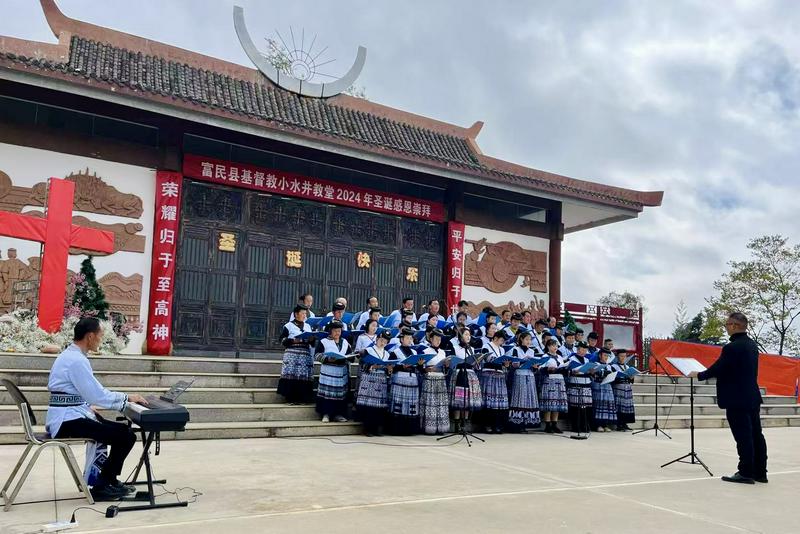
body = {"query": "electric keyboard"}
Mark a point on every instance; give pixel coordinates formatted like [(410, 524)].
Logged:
[(159, 416)]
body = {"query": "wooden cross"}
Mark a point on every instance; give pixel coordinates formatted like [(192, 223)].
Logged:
[(58, 234)]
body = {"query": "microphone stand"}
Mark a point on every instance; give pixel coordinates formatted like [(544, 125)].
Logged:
[(655, 426), (580, 434), (462, 418)]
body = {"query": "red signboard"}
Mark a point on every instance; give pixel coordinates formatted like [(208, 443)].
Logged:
[(295, 185), (455, 263), (162, 269), (605, 319)]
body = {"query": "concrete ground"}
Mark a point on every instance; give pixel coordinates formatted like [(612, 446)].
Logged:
[(522, 483)]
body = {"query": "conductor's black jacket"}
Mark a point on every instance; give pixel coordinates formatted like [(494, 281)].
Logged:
[(736, 372)]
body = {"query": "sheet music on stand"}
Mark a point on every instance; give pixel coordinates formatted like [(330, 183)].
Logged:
[(686, 366)]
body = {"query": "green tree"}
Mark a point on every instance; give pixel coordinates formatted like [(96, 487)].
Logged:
[(681, 321), (702, 328), (713, 327), (569, 322), (694, 330), (766, 288), (89, 296), (626, 300)]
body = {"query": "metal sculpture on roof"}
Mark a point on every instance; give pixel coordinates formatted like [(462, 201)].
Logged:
[(302, 69)]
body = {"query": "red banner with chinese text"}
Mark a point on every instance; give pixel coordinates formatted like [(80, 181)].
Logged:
[(295, 185), (455, 263), (162, 268)]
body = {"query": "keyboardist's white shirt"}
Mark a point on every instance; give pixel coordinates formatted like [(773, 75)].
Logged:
[(72, 374)]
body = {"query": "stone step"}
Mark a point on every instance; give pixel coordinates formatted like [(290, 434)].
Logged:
[(236, 398), (125, 380), (135, 379), (712, 421), (201, 395), (711, 409), (40, 395), (664, 379), (669, 389), (152, 364), (204, 413), (650, 398), (269, 429), (186, 364), (132, 381), (227, 430), (199, 413)]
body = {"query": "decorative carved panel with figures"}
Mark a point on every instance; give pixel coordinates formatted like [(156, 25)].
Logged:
[(92, 195), (126, 235), (536, 306), (499, 266), (123, 293)]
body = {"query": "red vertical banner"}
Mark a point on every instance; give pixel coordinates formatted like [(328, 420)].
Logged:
[(455, 263), (162, 268)]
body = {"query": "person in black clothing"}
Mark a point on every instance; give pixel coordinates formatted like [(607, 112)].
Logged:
[(736, 371)]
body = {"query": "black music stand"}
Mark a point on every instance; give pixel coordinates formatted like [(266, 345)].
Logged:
[(581, 434), (147, 440), (691, 455), (655, 426), (465, 435)]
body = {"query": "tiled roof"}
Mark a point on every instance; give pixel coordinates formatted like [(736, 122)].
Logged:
[(157, 75), (167, 73)]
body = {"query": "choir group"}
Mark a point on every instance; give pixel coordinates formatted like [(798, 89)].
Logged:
[(502, 372)]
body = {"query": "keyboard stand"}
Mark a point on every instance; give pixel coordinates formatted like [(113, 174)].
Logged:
[(147, 440)]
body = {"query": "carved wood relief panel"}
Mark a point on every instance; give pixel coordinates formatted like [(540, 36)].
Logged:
[(498, 267), (92, 195)]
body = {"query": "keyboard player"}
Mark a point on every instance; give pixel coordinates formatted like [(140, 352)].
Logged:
[(73, 391)]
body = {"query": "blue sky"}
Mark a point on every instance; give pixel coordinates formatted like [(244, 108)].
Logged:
[(699, 99)]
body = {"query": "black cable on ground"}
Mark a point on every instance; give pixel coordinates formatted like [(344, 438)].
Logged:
[(72, 519), (176, 492)]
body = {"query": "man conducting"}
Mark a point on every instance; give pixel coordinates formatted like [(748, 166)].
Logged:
[(736, 371), (73, 392)]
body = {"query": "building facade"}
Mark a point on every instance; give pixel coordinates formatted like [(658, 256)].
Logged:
[(229, 196)]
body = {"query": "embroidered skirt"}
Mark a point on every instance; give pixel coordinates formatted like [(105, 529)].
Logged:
[(524, 403), (494, 389), (579, 394), (404, 394), (623, 399), (465, 390), (553, 394), (297, 375), (434, 416), (604, 409), (373, 391), (332, 389)]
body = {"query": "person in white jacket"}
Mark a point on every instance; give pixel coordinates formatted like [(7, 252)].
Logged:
[(74, 391)]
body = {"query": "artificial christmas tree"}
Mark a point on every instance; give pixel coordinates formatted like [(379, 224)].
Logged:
[(569, 322), (89, 296)]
